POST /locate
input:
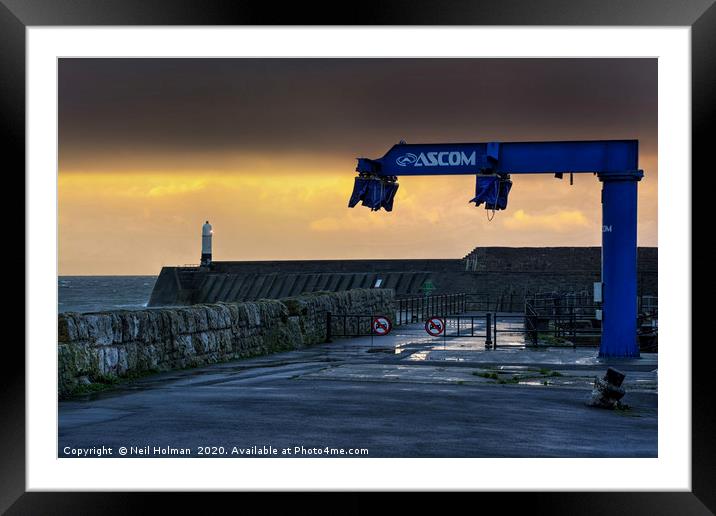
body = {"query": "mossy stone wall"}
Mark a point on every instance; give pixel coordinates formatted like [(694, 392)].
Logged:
[(104, 346)]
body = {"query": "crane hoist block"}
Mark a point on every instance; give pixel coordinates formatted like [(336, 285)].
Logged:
[(375, 192), (492, 190)]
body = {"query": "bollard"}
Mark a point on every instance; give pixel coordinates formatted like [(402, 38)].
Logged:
[(488, 330), (608, 390)]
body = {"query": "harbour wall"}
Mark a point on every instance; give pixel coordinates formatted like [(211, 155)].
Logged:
[(497, 272), (96, 348)]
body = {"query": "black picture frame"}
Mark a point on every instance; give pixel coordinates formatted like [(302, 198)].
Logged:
[(17, 15)]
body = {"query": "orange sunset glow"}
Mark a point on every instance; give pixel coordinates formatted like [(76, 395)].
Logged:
[(130, 202)]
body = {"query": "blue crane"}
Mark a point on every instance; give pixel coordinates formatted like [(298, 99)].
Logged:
[(614, 162)]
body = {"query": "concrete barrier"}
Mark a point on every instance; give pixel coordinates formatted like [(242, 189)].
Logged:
[(104, 346)]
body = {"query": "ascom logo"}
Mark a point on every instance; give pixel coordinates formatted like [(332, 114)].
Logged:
[(436, 159), (406, 159)]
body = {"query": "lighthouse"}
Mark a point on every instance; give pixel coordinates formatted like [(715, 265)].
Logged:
[(206, 233)]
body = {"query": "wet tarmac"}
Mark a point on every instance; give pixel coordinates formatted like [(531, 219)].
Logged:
[(402, 395)]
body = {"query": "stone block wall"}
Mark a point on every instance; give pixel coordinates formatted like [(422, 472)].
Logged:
[(102, 346)]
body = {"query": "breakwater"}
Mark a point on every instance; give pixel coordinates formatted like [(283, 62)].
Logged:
[(103, 346), (503, 272)]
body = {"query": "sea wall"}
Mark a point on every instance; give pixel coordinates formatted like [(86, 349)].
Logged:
[(499, 271), (101, 347)]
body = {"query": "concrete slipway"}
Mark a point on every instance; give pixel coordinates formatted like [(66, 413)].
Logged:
[(402, 395)]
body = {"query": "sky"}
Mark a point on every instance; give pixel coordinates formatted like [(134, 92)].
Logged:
[(265, 150)]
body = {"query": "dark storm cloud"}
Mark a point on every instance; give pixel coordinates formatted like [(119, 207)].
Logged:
[(120, 107)]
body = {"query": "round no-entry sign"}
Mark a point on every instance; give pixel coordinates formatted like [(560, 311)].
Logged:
[(435, 326), (382, 325)]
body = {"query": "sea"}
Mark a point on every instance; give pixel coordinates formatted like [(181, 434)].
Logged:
[(98, 293)]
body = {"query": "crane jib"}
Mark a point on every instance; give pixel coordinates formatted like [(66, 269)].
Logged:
[(601, 156), (376, 184)]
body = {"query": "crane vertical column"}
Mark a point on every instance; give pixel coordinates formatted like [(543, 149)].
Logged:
[(619, 263)]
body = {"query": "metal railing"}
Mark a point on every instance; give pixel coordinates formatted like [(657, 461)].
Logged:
[(491, 325), (508, 301), (546, 319), (469, 326), (581, 302), (561, 303), (416, 309), (649, 306), (535, 328), (560, 327)]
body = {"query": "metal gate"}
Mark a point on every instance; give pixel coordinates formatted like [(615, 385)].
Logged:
[(458, 317), (485, 330)]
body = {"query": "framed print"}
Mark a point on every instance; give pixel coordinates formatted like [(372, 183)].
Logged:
[(228, 315)]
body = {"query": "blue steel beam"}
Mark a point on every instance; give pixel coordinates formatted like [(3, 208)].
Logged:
[(601, 156)]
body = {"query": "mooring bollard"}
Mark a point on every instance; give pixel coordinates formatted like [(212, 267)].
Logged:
[(488, 330), (608, 390)]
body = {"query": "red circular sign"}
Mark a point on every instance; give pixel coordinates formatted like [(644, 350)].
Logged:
[(382, 325), (435, 326)]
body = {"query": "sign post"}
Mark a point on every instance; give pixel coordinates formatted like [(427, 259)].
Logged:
[(428, 287), (435, 326), (381, 325)]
